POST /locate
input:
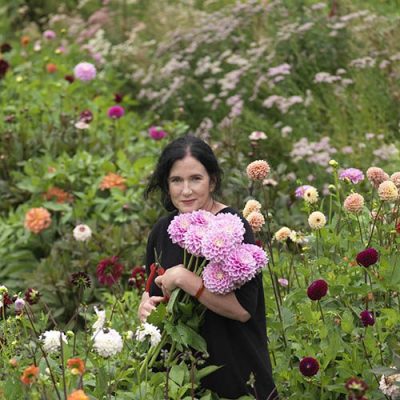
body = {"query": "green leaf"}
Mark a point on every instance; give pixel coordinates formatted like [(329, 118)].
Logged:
[(191, 338), (201, 373), (177, 373)]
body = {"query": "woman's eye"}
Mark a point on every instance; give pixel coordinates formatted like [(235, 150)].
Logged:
[(175, 180)]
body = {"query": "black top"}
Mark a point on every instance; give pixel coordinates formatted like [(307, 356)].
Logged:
[(241, 348)]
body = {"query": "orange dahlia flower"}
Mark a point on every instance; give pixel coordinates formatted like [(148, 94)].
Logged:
[(25, 40), (30, 374), (77, 366), (78, 395), (37, 219), (58, 195), (51, 68), (112, 180)]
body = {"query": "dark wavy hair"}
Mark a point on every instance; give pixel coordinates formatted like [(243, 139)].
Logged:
[(177, 150)]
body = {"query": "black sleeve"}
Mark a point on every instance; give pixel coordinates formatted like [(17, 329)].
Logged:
[(247, 294)]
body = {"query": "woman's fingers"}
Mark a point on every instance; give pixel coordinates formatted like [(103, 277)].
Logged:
[(156, 299), (158, 281)]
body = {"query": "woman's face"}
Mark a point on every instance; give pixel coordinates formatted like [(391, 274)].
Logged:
[(190, 186)]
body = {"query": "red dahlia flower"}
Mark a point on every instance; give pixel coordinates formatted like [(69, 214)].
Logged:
[(32, 296), (309, 366), (398, 228), (367, 257), (4, 65), (5, 48), (109, 271), (356, 387), (367, 318), (86, 116), (138, 278), (317, 289)]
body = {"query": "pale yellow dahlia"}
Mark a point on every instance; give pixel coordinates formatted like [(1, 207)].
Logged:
[(311, 195), (251, 205), (387, 191), (316, 220), (282, 234), (258, 170), (354, 203), (256, 220)]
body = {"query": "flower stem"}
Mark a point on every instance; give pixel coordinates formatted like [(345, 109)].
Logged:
[(374, 223)]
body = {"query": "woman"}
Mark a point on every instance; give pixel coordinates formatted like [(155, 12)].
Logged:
[(188, 176)]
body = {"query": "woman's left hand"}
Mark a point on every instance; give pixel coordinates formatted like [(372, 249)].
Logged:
[(170, 279)]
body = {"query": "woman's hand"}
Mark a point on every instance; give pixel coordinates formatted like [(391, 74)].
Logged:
[(147, 305), (171, 279)]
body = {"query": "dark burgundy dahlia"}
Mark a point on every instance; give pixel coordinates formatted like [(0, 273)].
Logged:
[(367, 257), (309, 366), (317, 289)]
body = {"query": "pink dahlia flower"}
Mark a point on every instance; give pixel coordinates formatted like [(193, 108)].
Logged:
[(240, 266), (218, 244), (49, 35), (85, 71), (156, 133), (231, 224), (376, 176), (216, 280), (193, 239), (116, 112), (354, 203), (258, 254), (178, 228), (354, 175)]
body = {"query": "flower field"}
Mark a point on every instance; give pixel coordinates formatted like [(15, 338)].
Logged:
[(299, 101)]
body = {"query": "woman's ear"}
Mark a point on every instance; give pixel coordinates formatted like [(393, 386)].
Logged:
[(212, 184)]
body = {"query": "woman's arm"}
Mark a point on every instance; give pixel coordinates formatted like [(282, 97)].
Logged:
[(226, 305)]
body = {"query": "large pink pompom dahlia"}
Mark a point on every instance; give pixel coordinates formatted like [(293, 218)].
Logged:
[(240, 266), (85, 71), (259, 255), (231, 224), (193, 239), (178, 228), (216, 280), (218, 244)]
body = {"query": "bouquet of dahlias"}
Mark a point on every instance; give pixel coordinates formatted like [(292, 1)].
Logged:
[(217, 239), (213, 248)]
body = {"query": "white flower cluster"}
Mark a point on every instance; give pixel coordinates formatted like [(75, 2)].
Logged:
[(150, 330), (52, 341), (107, 342), (388, 386)]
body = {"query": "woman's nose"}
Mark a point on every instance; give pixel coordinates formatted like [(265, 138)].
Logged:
[(187, 191)]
